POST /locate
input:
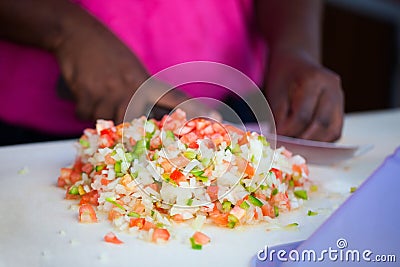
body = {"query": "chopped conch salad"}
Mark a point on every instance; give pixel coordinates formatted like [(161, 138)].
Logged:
[(146, 176)]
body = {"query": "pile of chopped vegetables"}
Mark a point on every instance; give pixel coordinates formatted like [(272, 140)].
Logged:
[(148, 175)]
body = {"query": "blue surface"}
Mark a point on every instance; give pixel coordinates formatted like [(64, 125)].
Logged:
[(369, 220)]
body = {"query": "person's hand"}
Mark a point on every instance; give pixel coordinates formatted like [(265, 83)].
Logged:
[(306, 98), (100, 70), (103, 74)]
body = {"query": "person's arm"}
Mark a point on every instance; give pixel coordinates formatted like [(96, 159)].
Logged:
[(306, 98), (99, 69), (42, 23)]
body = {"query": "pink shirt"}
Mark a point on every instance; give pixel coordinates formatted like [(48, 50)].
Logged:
[(160, 33)]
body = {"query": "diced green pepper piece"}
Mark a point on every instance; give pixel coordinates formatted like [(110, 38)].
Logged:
[(291, 225), (202, 178), (314, 188), (275, 191), (189, 202), (250, 189), (170, 134), (197, 172), (226, 206), (245, 205), (301, 194), (236, 149), (263, 187), (128, 157), (139, 148), (312, 213), (255, 201), (100, 167), (134, 214), (155, 156), (263, 140), (232, 221), (195, 245), (189, 154), (117, 166), (112, 201), (134, 175), (73, 190), (276, 211), (291, 183), (84, 143)]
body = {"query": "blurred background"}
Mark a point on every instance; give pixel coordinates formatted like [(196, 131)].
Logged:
[(361, 42)]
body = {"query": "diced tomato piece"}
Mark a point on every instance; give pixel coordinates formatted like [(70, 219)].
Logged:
[(120, 128), (160, 234), (75, 176), (184, 130), (201, 124), (137, 222), (90, 198), (278, 173), (300, 168), (109, 132), (212, 191), (268, 210), (177, 218), (177, 176), (103, 124), (189, 138), (217, 138), (104, 181), (193, 145), (180, 161), (244, 167), (243, 137), (297, 183), (105, 141), (154, 186), (155, 142), (201, 238), (148, 225), (114, 214), (109, 159), (220, 219), (281, 200), (112, 238), (87, 214), (163, 120), (166, 166), (64, 179), (77, 165), (249, 170), (218, 128), (88, 168)]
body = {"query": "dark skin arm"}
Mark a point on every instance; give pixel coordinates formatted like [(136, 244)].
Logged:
[(100, 70), (306, 98)]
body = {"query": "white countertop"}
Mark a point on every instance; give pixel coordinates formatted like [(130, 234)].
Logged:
[(38, 228)]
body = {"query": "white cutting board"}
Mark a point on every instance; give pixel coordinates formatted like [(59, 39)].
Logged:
[(38, 227)]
